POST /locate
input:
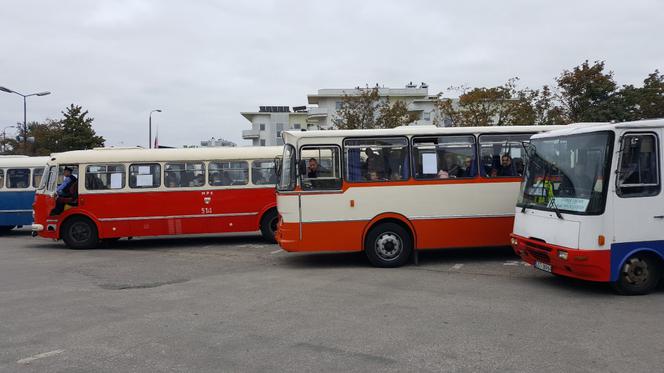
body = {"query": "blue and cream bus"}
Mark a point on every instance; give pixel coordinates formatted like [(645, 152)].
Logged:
[(20, 176)]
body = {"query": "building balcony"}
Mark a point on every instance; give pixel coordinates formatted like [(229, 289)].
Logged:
[(250, 134)]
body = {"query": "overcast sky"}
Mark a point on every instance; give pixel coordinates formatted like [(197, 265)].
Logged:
[(203, 62)]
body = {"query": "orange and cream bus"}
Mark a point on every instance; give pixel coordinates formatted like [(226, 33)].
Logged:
[(135, 192), (392, 192)]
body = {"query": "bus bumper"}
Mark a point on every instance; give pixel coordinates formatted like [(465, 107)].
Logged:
[(589, 265), (36, 228), (288, 235)]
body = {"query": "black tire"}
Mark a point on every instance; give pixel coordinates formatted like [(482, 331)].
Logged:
[(388, 245), (639, 275), (269, 225), (6, 228), (80, 233)]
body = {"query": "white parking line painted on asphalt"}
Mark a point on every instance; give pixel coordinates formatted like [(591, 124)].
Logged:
[(457, 266), (277, 251), (32, 358)]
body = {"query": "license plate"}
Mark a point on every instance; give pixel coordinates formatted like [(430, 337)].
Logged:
[(543, 266)]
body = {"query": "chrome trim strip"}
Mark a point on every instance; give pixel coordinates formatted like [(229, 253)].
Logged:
[(179, 216), (7, 211)]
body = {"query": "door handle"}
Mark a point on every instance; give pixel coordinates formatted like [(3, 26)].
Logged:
[(658, 216)]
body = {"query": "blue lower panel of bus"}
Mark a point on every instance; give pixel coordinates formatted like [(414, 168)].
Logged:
[(621, 251), (16, 208)]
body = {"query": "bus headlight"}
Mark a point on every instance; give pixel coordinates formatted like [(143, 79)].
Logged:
[(562, 254), (514, 241)]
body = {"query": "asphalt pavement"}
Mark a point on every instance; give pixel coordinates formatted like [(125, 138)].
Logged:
[(234, 303)]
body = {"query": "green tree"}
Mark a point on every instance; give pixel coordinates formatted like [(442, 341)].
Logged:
[(77, 132), (651, 102), (502, 105), (585, 92), (368, 110)]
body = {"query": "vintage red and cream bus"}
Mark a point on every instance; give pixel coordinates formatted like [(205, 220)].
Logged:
[(135, 192), (394, 191)]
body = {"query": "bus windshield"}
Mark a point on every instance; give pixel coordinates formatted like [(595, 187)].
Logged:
[(568, 173), (287, 175)]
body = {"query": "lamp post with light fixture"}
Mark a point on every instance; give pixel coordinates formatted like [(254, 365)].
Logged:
[(150, 127), (25, 106)]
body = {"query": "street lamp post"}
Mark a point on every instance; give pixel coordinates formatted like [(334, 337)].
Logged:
[(25, 109), (150, 127)]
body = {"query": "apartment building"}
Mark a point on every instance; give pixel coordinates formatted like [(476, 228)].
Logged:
[(321, 113)]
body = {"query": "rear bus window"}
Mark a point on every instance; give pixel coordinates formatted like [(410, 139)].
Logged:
[(444, 157), (37, 176), (263, 172), (384, 159), (18, 178), (502, 155), (228, 173), (146, 175), (103, 177), (320, 168), (184, 174)]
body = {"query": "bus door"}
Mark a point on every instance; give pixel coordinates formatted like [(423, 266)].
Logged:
[(639, 203), (320, 181)]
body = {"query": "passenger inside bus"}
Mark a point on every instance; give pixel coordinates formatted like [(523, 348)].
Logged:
[(313, 170), (67, 192), (506, 168)]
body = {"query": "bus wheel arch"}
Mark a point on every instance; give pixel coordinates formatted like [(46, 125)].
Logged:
[(268, 224), (639, 272), (388, 241), (80, 232)]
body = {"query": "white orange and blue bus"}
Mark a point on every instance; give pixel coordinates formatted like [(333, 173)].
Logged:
[(155, 192), (20, 176), (591, 205), (390, 192)]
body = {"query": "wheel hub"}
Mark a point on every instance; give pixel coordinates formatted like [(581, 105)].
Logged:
[(389, 246), (636, 271)]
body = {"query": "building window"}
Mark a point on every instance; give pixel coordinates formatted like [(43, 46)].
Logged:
[(280, 129), (262, 142), (426, 116), (297, 126), (338, 105), (262, 126)]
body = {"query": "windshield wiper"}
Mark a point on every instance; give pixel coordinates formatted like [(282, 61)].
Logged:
[(555, 208)]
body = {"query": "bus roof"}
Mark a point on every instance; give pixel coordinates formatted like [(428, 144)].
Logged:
[(578, 128), (106, 155), (414, 130), (14, 161)]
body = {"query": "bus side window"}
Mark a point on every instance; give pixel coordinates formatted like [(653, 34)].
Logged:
[(228, 173), (18, 178), (263, 172), (146, 175), (102, 177), (2, 179), (444, 157), (37, 176), (381, 159), (320, 168), (502, 155), (638, 171), (182, 175)]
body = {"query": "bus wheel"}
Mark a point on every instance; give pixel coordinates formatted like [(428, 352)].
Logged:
[(5, 228), (80, 233), (269, 225), (388, 245), (639, 275)]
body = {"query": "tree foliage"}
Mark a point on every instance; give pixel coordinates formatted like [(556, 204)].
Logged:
[(73, 132), (368, 109), (586, 93)]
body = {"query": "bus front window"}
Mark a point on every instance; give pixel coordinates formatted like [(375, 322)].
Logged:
[(568, 173), (287, 176)]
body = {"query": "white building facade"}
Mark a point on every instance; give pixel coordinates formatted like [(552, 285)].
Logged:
[(269, 121)]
